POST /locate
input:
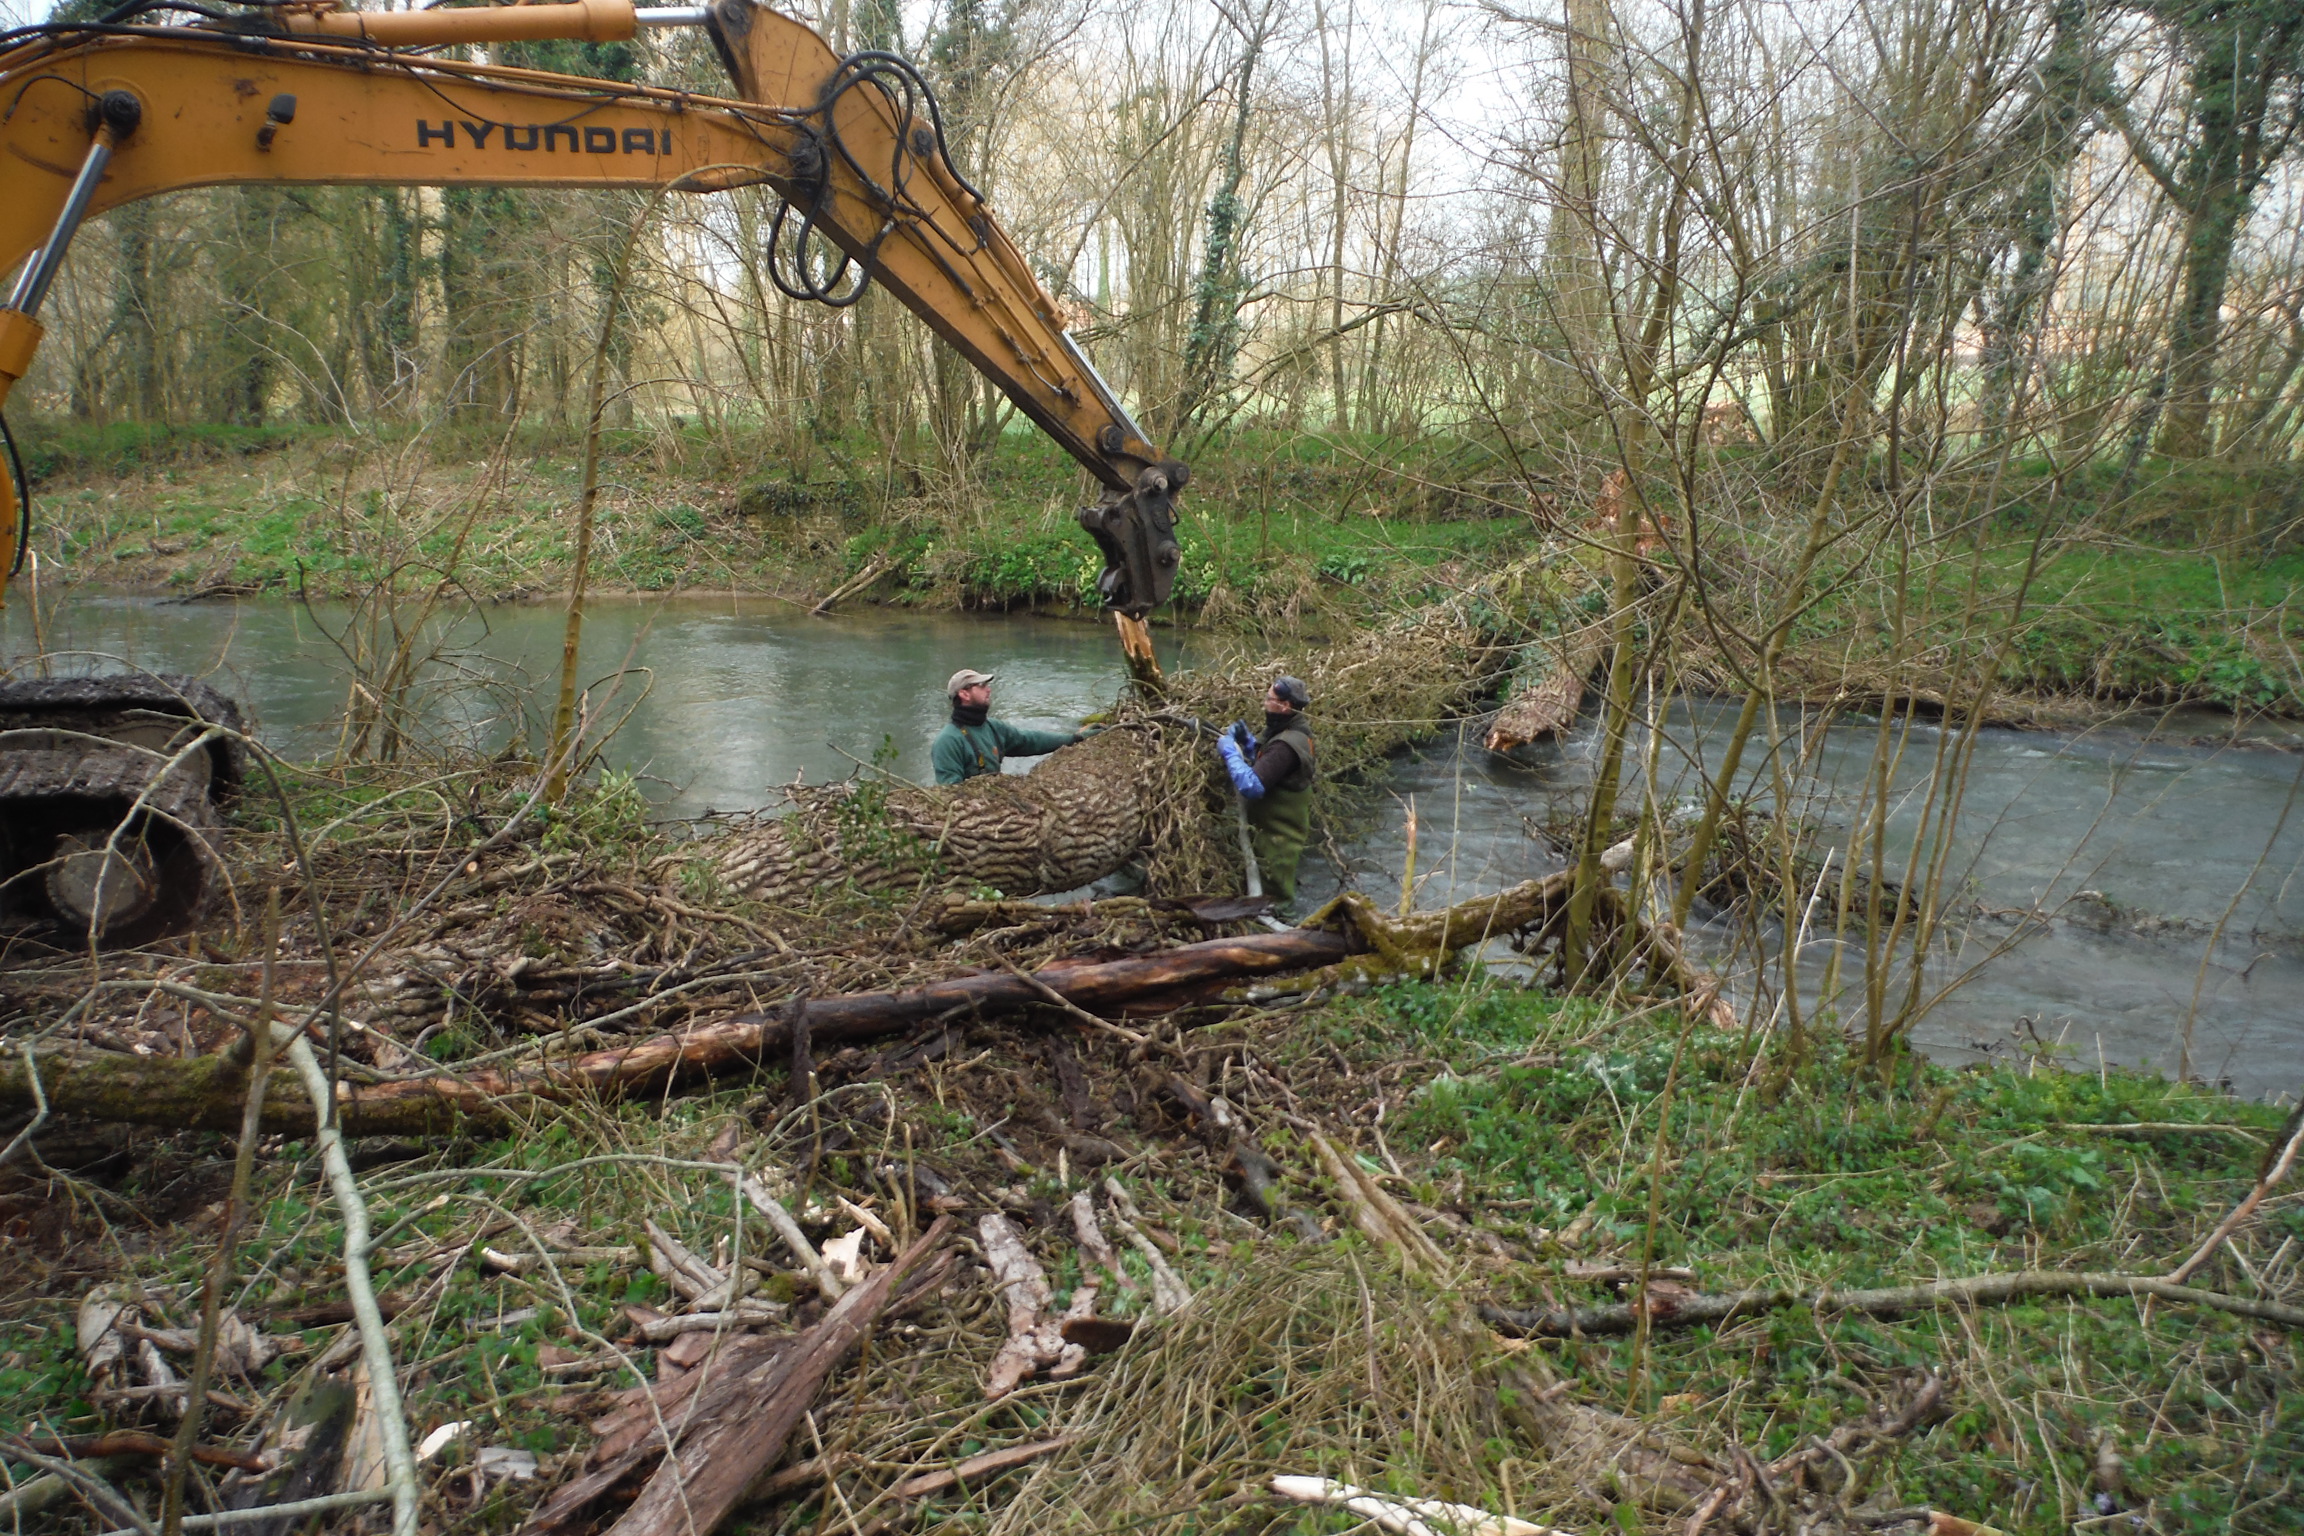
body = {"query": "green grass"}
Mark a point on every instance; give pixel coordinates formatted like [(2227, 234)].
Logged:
[(1820, 1174), (53, 449), (2101, 621)]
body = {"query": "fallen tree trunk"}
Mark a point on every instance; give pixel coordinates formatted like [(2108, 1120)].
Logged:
[(207, 1092), (1551, 705), (1973, 1290), (1075, 818)]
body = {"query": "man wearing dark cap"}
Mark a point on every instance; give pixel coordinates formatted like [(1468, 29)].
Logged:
[(976, 744), (1273, 774)]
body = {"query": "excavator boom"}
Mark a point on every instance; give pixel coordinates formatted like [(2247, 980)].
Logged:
[(109, 787), (103, 115)]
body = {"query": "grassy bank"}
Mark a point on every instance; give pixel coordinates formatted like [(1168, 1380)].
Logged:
[(1291, 538), (2183, 588)]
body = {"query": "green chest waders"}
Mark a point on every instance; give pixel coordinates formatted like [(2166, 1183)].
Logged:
[(1279, 825)]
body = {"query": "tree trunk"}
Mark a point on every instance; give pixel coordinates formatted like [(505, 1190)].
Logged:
[(2196, 333), (1074, 819), (1551, 705)]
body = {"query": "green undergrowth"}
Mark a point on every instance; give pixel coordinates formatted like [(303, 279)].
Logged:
[(1527, 1114), (1271, 533), (2184, 591), (58, 450), (2255, 505), (2105, 622)]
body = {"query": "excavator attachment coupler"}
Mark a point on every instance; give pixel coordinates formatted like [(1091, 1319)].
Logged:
[(111, 804), (1136, 530)]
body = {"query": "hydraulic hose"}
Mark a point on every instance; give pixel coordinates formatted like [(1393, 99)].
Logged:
[(23, 500)]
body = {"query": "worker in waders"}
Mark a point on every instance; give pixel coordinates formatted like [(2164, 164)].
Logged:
[(974, 743), (1273, 774)]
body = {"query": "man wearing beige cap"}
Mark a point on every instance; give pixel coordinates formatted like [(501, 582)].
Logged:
[(974, 743)]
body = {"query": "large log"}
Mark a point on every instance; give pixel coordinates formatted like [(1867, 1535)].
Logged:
[(1077, 817), (207, 1092)]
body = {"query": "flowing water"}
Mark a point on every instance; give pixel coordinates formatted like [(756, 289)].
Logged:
[(2115, 890), (2111, 890)]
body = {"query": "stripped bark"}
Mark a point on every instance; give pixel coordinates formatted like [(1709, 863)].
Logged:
[(1035, 1335), (1406, 1516), (729, 1431), (1077, 817), (1551, 705)]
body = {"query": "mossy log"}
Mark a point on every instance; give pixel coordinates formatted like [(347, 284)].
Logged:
[(207, 1092), (1077, 817)]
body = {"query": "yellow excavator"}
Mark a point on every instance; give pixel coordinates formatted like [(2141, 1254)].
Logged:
[(108, 793)]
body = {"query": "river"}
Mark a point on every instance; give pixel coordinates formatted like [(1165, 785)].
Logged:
[(2091, 868)]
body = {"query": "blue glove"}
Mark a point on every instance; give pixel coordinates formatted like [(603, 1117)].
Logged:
[(1245, 737), (1243, 773)]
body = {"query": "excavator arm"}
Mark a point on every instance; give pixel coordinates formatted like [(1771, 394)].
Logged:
[(101, 114)]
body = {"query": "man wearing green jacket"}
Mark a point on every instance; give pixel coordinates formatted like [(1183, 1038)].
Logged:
[(976, 744)]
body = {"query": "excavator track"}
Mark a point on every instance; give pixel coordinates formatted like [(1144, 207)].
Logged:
[(113, 792)]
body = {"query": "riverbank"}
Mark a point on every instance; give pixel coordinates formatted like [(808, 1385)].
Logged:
[(2126, 606), (1544, 1147)]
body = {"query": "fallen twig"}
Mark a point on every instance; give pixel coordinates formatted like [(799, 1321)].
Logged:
[(857, 583), (139, 1442), (99, 1494), (1974, 1290), (1169, 1292), (219, 1274), (325, 1503), (827, 1284), (742, 1428), (1406, 1516), (1093, 1243), (977, 1468), (1375, 1212), (2275, 1169), (375, 1344)]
